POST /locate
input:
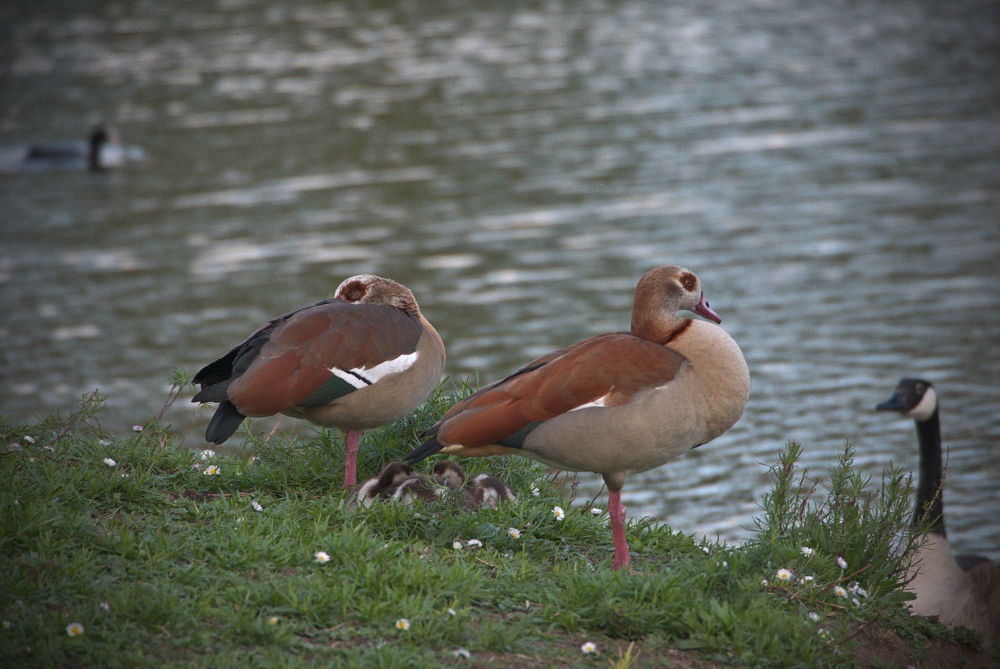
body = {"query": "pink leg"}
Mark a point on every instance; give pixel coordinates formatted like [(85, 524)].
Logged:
[(617, 513), (351, 442)]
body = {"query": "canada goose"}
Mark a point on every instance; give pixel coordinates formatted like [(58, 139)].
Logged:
[(364, 358), (102, 151), (615, 404), (959, 591)]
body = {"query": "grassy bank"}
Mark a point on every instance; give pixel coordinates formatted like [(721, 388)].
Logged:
[(168, 557)]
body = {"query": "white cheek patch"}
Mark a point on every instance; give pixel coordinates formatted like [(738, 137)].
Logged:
[(925, 407), (363, 376), (599, 402)]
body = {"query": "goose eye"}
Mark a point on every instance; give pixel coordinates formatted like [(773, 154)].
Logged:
[(688, 281), (353, 291)]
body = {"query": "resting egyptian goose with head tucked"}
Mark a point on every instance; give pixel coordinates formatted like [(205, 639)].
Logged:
[(615, 404), (963, 590), (365, 358)]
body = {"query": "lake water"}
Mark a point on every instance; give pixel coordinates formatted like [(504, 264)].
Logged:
[(830, 170)]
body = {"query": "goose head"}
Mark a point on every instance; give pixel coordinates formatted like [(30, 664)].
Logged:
[(449, 474), (371, 289), (913, 398), (394, 474), (659, 295), (105, 150)]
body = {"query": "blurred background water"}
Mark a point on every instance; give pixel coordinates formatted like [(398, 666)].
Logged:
[(830, 170)]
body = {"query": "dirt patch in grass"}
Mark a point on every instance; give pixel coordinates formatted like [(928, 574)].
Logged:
[(880, 647)]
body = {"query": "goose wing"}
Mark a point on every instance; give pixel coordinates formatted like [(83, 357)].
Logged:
[(607, 370)]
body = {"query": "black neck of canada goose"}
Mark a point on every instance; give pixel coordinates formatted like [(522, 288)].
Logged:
[(929, 492), (98, 138)]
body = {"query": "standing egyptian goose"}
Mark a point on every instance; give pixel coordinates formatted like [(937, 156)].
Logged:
[(963, 590), (364, 358), (615, 404)]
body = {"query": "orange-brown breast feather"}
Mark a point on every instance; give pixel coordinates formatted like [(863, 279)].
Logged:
[(613, 366), (300, 352)]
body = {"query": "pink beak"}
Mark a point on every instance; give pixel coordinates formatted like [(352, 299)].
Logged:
[(704, 310)]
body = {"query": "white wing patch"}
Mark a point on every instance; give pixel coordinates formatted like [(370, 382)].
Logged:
[(599, 402), (363, 376)]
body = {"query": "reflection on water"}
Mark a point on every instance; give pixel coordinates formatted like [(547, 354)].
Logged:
[(828, 171)]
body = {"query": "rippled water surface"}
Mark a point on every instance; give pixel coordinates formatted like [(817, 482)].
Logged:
[(831, 171)]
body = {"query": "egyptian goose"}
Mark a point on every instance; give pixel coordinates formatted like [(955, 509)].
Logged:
[(963, 590), (398, 482), (382, 486), (364, 358), (486, 490), (615, 404)]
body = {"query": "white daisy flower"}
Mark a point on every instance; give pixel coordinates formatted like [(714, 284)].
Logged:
[(814, 617), (784, 575), (403, 624), (535, 492), (588, 648), (74, 629), (110, 462), (841, 562), (807, 551), (273, 620), (840, 592), (558, 512), (456, 544), (462, 653), (514, 533), (452, 612), (596, 511), (137, 428), (322, 557), (256, 505), (212, 470), (807, 579), (475, 543), (207, 454), (28, 438)]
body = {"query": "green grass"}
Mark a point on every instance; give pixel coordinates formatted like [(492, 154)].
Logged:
[(164, 565)]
